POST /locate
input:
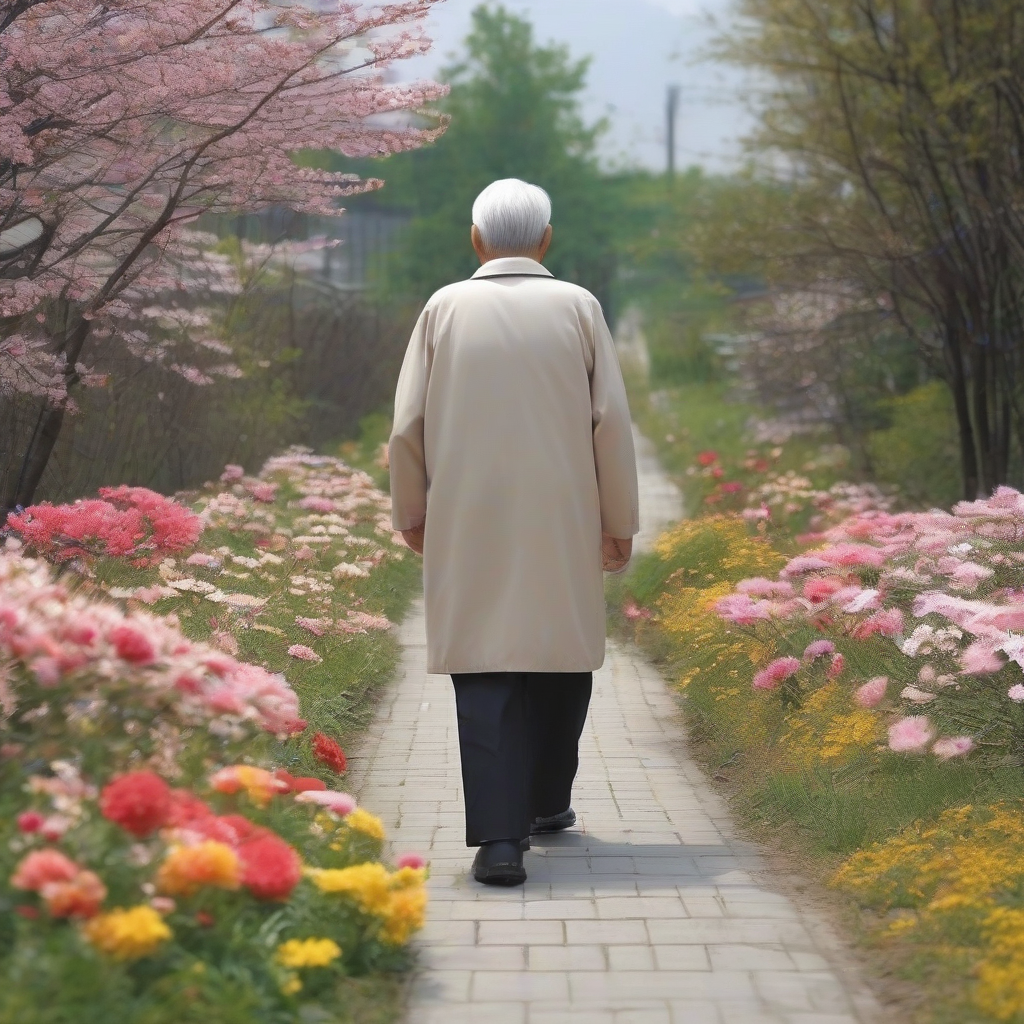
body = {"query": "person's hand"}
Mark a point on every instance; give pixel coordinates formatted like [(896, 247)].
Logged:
[(615, 552), (414, 537)]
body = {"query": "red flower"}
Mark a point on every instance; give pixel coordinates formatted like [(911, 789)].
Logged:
[(140, 802), (186, 808), (30, 821), (132, 644), (31, 913), (732, 487), (204, 919), (270, 867), (328, 752), (708, 458), (300, 783)]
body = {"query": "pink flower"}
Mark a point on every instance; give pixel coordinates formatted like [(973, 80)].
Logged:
[(739, 608), (888, 622), (952, 746), (303, 653), (752, 515), (818, 649), (317, 504), (410, 860), (836, 667), (305, 553), (1016, 693), (633, 612), (263, 491), (910, 734), (30, 821), (338, 803), (820, 588), (871, 693), (774, 673), (980, 658), (203, 559), (315, 626), (758, 586), (132, 644), (232, 472)]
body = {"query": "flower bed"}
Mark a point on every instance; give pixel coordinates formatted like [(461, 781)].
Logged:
[(174, 840), (864, 682)]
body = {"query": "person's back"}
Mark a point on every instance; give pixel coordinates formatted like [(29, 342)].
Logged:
[(512, 449)]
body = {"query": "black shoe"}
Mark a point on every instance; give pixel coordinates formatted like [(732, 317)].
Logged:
[(499, 863), (553, 823)]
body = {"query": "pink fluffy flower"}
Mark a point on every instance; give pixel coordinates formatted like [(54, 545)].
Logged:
[(632, 611), (952, 746), (910, 734), (773, 674), (338, 803), (818, 649), (315, 503), (981, 658), (871, 693), (758, 586), (231, 473), (1016, 693), (819, 589), (263, 491), (303, 653), (836, 667), (887, 622), (740, 609)]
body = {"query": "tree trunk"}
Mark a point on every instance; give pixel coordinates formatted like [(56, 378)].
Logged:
[(958, 385), (47, 431)]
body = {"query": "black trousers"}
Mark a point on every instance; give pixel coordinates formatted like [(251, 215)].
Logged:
[(519, 736)]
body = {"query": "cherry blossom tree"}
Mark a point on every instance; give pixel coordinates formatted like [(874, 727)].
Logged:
[(121, 122)]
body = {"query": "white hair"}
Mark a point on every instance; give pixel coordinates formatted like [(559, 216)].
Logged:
[(512, 216)]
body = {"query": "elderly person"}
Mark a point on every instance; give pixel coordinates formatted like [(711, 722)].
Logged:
[(513, 473)]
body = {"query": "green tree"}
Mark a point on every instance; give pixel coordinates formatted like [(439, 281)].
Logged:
[(514, 110), (899, 123)]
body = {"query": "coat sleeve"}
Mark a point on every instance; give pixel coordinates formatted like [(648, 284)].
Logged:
[(614, 455), (405, 446)]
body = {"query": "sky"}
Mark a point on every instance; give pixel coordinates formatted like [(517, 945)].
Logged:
[(639, 48)]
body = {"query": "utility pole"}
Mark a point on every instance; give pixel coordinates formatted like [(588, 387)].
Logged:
[(670, 136)]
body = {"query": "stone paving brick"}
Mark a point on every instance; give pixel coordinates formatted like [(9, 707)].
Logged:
[(650, 911)]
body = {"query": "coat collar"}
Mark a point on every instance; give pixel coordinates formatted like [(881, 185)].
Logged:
[(513, 265)]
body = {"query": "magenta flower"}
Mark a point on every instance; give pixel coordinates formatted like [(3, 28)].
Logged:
[(773, 674), (871, 693), (740, 609), (818, 649), (910, 734)]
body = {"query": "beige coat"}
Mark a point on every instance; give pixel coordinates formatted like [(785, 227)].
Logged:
[(512, 440)]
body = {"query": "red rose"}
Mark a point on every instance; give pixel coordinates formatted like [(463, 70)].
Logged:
[(328, 752), (140, 802), (270, 867)]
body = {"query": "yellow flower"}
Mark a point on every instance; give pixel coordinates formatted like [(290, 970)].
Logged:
[(365, 822), (307, 952), (291, 985), (405, 914), (369, 884), (128, 934), (406, 878), (188, 868)]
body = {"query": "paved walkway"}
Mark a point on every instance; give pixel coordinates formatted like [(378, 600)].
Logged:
[(651, 911)]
